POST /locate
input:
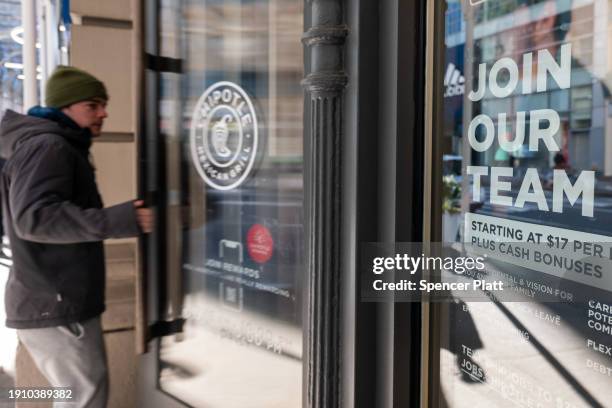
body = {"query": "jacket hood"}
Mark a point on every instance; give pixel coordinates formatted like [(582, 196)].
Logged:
[(16, 128)]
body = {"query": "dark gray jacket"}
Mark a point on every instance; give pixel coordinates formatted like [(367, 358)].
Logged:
[(55, 223)]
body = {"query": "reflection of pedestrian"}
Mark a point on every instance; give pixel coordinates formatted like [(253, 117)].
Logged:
[(55, 222), (502, 157), (464, 340), (560, 162)]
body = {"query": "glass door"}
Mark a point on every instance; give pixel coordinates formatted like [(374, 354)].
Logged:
[(524, 155), (230, 123)]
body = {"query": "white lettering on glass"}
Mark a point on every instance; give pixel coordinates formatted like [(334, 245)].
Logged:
[(544, 125)]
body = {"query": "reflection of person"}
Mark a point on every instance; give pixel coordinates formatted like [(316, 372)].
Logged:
[(220, 135), (55, 221), (502, 157), (560, 161), (465, 340), (549, 32)]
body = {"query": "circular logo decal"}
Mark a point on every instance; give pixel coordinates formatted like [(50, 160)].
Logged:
[(224, 136), (259, 243)]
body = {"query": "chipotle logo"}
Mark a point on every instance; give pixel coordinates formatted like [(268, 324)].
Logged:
[(260, 244), (224, 136)]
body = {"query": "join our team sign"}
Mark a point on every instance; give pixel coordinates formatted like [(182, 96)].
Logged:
[(573, 255), (544, 125)]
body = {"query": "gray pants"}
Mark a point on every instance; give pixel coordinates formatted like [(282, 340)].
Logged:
[(71, 356)]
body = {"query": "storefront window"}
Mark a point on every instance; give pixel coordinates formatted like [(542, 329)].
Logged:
[(231, 122), (527, 152)]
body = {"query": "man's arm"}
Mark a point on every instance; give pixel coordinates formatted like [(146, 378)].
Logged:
[(39, 198)]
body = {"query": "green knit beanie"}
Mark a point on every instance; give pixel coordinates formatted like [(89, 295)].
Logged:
[(68, 85)]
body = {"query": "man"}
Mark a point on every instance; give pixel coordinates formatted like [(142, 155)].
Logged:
[(55, 222)]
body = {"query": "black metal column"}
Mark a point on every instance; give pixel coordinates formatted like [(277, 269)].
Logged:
[(324, 82)]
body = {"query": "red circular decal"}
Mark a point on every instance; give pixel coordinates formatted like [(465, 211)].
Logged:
[(259, 243)]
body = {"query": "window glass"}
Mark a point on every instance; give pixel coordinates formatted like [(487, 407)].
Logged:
[(11, 68), (231, 125), (528, 130)]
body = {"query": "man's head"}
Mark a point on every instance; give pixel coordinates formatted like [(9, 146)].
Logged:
[(79, 95)]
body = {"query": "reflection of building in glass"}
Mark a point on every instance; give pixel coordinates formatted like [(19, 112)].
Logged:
[(11, 93), (514, 27), (454, 21), (244, 40), (237, 261), (525, 38)]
